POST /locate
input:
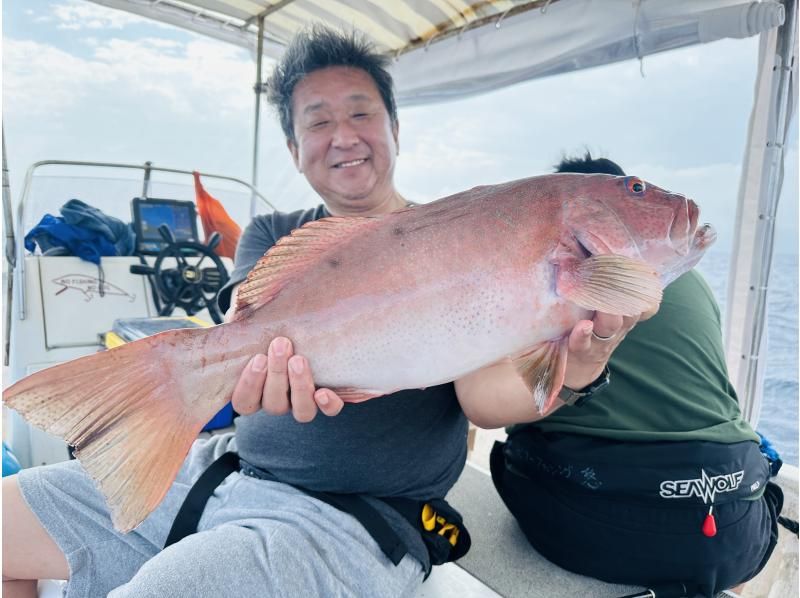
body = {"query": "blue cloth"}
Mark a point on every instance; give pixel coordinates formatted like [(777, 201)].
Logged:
[(10, 463), (82, 231), (80, 214), (53, 232), (771, 453)]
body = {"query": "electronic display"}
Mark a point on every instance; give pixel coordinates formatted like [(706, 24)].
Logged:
[(149, 214)]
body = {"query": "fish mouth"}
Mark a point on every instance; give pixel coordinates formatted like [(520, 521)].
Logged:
[(703, 238), (683, 227)]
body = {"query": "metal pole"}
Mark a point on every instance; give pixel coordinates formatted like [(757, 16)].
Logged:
[(11, 255), (759, 192), (258, 90), (146, 183), (774, 162)]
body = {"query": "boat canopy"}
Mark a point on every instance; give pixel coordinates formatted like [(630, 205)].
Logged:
[(447, 49), (444, 49)]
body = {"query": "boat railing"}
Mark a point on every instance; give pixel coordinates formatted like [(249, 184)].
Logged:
[(148, 170)]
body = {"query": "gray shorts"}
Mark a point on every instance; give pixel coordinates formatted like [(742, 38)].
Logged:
[(255, 538)]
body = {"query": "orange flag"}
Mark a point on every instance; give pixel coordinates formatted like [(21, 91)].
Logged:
[(216, 219)]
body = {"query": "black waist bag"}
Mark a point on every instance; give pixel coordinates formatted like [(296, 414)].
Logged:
[(440, 525), (696, 471)]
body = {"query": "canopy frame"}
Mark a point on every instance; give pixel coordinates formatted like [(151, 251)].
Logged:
[(774, 105)]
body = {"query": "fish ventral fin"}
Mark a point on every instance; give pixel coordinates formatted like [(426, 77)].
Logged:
[(355, 395), (292, 255), (614, 284), (542, 369)]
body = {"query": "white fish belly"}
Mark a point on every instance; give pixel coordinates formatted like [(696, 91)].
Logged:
[(435, 335)]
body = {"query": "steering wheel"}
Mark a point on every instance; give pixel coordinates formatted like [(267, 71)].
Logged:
[(188, 286)]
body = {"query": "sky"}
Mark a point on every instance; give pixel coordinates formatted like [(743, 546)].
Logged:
[(83, 82)]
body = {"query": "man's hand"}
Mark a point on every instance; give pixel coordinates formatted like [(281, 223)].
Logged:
[(591, 343), (281, 381)]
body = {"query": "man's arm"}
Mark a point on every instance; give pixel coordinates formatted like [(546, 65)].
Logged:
[(496, 396)]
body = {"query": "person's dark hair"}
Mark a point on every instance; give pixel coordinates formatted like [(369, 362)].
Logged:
[(317, 48), (589, 165)]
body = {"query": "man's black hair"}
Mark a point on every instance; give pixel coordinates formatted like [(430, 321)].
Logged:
[(589, 165), (318, 48)]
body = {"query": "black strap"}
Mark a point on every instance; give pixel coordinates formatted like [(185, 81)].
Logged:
[(789, 524), (190, 512), (390, 543), (188, 516), (439, 548)]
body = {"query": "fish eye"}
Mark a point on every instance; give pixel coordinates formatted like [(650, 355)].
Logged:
[(635, 185)]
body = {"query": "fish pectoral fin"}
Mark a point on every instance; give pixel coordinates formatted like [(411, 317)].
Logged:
[(294, 254), (613, 284), (542, 369)]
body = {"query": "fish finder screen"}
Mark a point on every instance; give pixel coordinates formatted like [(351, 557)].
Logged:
[(149, 214)]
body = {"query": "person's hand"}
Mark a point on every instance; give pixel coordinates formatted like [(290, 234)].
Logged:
[(591, 343), (281, 381)]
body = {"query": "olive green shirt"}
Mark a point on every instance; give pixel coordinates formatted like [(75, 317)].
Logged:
[(668, 378)]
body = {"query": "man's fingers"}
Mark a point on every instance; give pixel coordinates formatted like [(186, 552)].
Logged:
[(275, 399), (328, 402), (304, 407), (580, 339), (247, 394), (281, 381), (607, 325)]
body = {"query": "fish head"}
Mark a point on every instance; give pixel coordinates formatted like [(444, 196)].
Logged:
[(625, 215)]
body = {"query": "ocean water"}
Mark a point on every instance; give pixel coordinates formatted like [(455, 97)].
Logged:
[(779, 408)]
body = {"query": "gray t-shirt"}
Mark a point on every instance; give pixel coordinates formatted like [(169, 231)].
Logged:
[(409, 444)]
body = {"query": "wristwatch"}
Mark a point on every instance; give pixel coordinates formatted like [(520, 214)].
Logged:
[(576, 398)]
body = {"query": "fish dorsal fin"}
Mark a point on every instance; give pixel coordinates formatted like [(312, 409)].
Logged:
[(292, 255), (613, 284)]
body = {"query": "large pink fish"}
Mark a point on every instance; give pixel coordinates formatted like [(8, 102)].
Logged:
[(408, 300)]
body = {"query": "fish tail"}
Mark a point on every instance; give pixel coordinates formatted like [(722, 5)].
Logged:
[(126, 413)]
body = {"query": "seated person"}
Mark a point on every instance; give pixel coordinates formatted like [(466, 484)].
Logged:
[(656, 478), (264, 529)]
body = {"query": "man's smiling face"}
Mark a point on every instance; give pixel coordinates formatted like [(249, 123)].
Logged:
[(345, 143)]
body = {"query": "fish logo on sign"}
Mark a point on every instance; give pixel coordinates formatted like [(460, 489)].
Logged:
[(90, 286)]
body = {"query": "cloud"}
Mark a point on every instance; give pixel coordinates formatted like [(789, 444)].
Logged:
[(43, 80), (75, 15), (195, 79)]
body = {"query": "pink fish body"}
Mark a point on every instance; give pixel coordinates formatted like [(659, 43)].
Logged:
[(408, 300)]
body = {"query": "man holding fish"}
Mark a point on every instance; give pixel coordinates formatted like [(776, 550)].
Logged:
[(515, 331)]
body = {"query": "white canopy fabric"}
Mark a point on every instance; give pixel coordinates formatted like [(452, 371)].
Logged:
[(446, 49)]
